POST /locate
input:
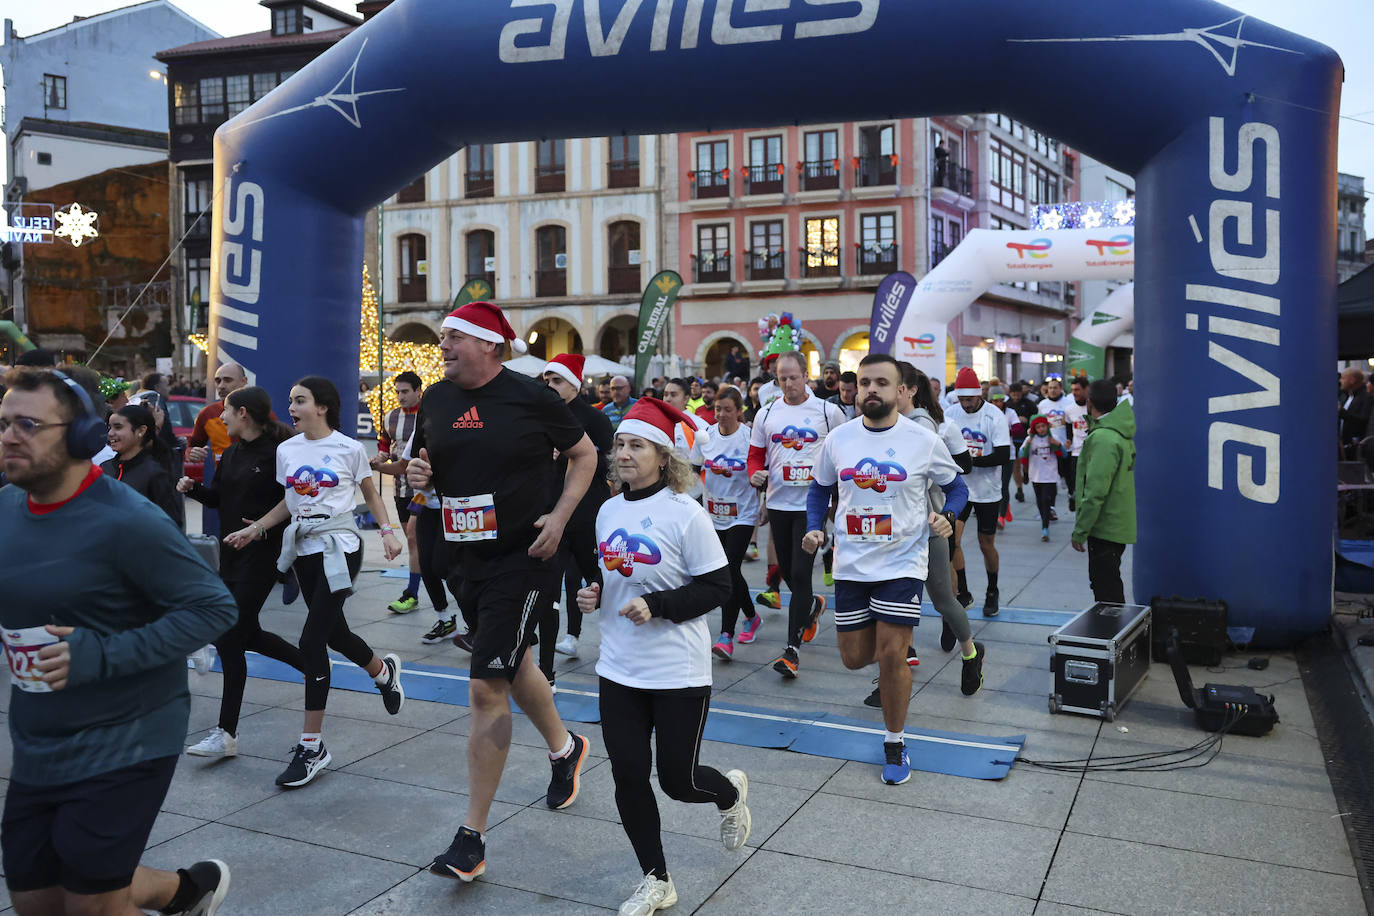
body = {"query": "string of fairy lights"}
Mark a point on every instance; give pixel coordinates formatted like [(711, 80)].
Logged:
[(397, 356)]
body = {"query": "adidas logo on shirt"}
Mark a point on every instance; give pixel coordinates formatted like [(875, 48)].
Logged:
[(469, 420)]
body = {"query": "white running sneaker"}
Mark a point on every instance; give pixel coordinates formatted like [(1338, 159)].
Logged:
[(735, 823), (219, 743), (203, 659), (566, 646), (651, 895)]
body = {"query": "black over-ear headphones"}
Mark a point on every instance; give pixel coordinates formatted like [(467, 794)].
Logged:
[(86, 434)]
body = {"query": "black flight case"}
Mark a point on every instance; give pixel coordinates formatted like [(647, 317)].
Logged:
[(1100, 658)]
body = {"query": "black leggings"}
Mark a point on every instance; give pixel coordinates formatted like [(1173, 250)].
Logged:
[(736, 543), (787, 529), (246, 634), (1045, 495), (628, 716), (1006, 489), (433, 557), (325, 627)]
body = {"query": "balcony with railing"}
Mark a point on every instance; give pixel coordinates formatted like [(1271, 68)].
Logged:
[(550, 179), (708, 267), (875, 258), (480, 184), (706, 184), (622, 173), (622, 279), (552, 281), (820, 262), (954, 178), (765, 179), (873, 171), (821, 175), (764, 265)]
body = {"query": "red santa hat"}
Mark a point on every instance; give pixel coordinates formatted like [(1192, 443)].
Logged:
[(654, 420), (966, 384), (569, 366), (485, 322)]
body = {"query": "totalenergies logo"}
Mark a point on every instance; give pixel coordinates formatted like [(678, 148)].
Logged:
[(725, 467), (924, 342), (871, 474), (1039, 249), (1117, 245), (795, 437)]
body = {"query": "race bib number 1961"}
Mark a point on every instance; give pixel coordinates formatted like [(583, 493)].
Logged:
[(469, 518), (21, 650)]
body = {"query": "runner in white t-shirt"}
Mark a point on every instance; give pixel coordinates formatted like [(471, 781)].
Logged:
[(878, 471), (733, 506), (663, 573), (787, 437), (1052, 407), (989, 441), (1076, 416), (322, 470)]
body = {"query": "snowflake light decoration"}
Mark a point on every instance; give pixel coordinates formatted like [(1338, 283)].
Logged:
[(76, 224), (1054, 219), (1092, 219), (1076, 214)]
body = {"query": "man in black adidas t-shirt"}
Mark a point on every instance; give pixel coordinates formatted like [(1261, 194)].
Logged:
[(485, 440)]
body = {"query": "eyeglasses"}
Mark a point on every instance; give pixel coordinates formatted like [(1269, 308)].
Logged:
[(26, 427)]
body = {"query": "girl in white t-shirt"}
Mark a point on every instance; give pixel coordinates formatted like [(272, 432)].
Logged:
[(322, 469), (664, 571)]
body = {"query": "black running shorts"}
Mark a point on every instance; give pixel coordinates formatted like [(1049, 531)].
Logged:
[(502, 613), (85, 837), (987, 515)]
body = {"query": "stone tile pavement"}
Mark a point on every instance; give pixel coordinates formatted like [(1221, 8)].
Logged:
[(1256, 830)]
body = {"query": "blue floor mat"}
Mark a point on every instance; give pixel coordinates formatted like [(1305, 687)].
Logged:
[(817, 734)]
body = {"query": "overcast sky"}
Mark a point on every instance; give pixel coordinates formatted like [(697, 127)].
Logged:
[(1345, 25)]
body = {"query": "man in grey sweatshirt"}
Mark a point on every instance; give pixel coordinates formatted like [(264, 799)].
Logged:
[(96, 647)]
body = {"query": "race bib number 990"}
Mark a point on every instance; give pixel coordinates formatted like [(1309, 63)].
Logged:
[(469, 518), (796, 475)]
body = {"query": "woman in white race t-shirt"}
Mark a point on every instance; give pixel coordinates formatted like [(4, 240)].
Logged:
[(664, 571), (733, 506), (321, 469)]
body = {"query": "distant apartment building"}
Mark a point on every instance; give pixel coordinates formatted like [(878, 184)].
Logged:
[(1350, 235), (80, 99), (809, 219), (566, 232), (209, 82)]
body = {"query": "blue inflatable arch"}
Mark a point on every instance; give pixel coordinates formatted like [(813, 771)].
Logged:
[(1228, 124)]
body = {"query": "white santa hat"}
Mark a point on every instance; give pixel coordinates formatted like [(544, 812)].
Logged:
[(485, 322)]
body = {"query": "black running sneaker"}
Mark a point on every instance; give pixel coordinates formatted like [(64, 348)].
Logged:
[(304, 766), (971, 678), (874, 699), (393, 694), (463, 641), (1073, 506), (443, 629), (465, 858), (566, 780), (788, 663), (965, 598), (211, 878), (947, 639), (990, 607)]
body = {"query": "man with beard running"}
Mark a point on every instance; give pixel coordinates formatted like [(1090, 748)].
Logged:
[(485, 441), (783, 446), (878, 471)]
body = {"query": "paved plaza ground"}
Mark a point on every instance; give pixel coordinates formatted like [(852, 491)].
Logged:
[(1256, 830)]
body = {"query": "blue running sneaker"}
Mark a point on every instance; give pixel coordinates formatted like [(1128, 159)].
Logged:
[(897, 769)]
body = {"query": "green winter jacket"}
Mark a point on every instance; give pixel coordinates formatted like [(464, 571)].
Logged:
[(1106, 479)]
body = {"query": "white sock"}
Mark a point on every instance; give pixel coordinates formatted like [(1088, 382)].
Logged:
[(567, 749), (310, 740), (383, 677), (479, 833), (894, 738)]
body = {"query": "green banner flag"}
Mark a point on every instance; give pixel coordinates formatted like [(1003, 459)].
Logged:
[(1085, 358), (11, 330), (654, 309), (475, 290)]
